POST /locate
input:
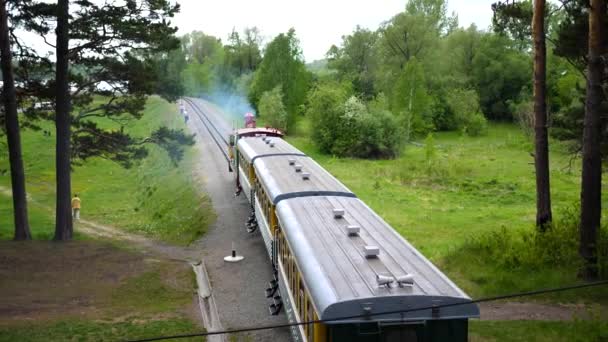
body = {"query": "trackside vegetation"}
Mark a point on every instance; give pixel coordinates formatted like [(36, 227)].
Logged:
[(155, 197)]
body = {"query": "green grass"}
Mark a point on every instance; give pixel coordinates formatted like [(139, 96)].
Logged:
[(91, 291), (153, 197), (539, 331), (82, 330), (468, 188)]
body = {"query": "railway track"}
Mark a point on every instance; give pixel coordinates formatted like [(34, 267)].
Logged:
[(215, 134)]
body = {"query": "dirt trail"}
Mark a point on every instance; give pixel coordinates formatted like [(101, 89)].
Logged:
[(172, 252), (91, 228)]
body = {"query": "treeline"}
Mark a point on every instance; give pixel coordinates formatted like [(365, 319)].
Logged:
[(419, 71)]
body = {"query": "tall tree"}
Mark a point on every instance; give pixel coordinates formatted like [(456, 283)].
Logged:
[(541, 156), (63, 216), (283, 65), (105, 68), (592, 163), (356, 60), (11, 121)]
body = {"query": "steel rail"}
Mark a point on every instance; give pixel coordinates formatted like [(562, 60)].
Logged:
[(201, 115)]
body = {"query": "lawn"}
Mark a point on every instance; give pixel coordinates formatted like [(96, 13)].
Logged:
[(154, 197), (447, 196), (91, 291)]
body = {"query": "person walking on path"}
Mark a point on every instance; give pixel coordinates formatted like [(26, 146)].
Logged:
[(76, 207)]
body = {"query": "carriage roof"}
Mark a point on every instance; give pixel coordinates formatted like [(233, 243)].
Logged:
[(280, 179), (259, 131), (255, 147), (342, 280)]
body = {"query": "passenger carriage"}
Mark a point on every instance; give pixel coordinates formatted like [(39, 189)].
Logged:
[(334, 257)]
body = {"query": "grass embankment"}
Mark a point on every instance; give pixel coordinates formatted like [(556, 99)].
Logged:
[(469, 205), (538, 331), (153, 197), (91, 291)]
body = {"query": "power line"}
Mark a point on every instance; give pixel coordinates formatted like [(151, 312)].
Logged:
[(434, 307)]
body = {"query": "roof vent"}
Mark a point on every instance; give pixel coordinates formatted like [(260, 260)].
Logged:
[(371, 251), (353, 230), (404, 280), (291, 161), (305, 175), (271, 144), (338, 213), (298, 167), (383, 280), (267, 141), (263, 137)]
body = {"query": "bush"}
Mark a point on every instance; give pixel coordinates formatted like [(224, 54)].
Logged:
[(467, 115), (477, 125), (325, 107), (524, 114), (349, 129), (534, 250), (272, 109)]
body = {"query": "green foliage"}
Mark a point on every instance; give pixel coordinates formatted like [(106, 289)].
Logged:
[(412, 101), (272, 109), (532, 250), (464, 104), (356, 60), (324, 110), (351, 129), (282, 66), (500, 73)]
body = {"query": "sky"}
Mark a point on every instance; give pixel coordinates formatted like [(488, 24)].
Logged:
[(318, 23)]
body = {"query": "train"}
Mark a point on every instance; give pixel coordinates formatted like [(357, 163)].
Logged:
[(335, 261)]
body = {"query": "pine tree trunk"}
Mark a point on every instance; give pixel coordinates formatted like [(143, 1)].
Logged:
[(22, 228), (592, 164), (63, 220), (541, 162)]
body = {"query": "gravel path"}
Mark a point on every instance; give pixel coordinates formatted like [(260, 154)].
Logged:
[(238, 288)]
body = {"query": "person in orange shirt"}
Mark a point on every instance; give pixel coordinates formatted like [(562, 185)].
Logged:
[(76, 207)]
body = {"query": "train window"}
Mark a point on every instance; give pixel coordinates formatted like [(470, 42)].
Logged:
[(397, 333)]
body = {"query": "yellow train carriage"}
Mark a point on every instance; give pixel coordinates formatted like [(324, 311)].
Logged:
[(334, 257)]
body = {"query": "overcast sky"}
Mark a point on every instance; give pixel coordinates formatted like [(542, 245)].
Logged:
[(318, 23)]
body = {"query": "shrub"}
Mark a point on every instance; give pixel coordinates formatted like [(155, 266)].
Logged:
[(325, 107), (524, 114), (534, 250), (467, 114), (272, 108), (477, 125), (349, 129)]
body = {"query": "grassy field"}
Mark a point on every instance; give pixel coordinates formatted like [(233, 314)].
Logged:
[(153, 197), (538, 331), (460, 199)]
